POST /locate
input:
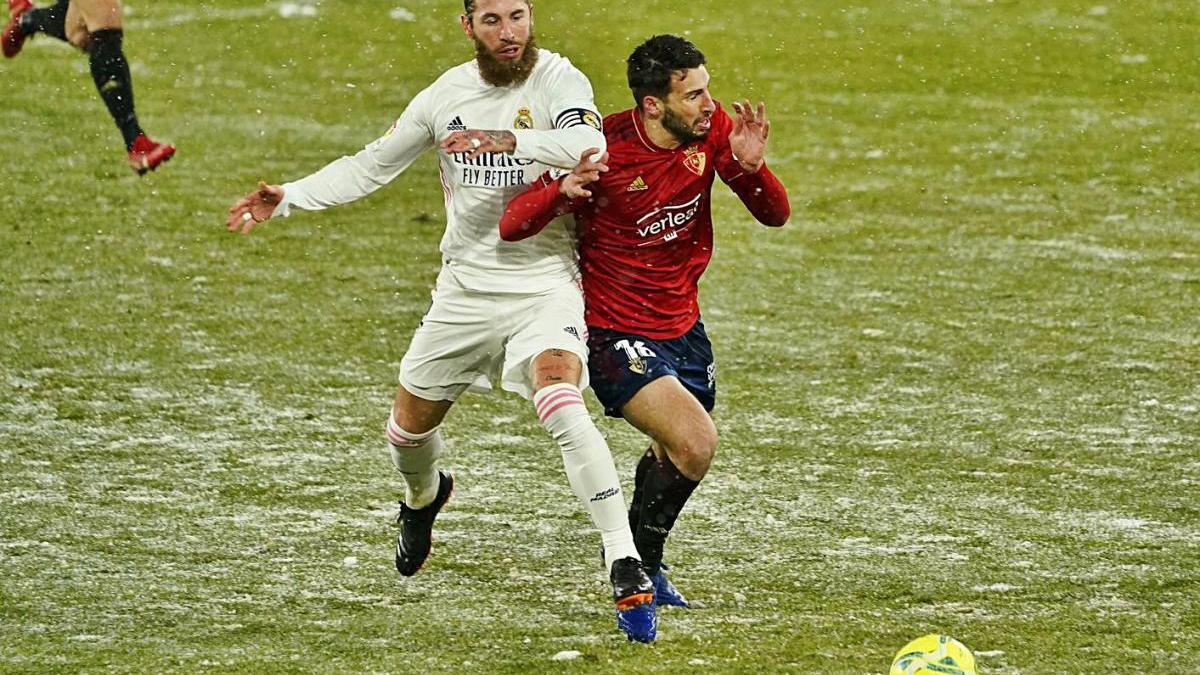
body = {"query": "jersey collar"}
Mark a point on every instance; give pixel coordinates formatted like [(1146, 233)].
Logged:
[(644, 137)]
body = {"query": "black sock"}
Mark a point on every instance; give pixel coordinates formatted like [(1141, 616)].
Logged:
[(639, 476), (49, 20), (665, 491), (110, 70)]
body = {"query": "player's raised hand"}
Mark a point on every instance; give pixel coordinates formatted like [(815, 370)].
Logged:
[(587, 171), (254, 208), (475, 142), (748, 140)]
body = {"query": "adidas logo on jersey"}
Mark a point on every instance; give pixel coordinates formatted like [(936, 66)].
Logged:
[(456, 124), (571, 330), (637, 185)]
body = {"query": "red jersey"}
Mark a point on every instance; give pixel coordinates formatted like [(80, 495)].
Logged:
[(645, 234)]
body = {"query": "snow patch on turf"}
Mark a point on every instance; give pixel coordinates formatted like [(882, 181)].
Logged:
[(148, 497), (1129, 523), (208, 15), (499, 440), (934, 543), (290, 10), (1092, 250), (994, 588)]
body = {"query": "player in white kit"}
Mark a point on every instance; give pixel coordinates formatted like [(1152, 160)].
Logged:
[(501, 310)]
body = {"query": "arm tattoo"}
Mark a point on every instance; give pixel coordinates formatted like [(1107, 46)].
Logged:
[(505, 139)]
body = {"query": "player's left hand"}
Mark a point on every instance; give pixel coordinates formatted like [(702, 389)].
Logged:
[(475, 142), (588, 170), (748, 140)]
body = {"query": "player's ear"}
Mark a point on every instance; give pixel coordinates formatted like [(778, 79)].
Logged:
[(652, 106), (468, 29)]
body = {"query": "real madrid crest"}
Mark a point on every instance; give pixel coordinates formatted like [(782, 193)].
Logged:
[(695, 160), (593, 120), (524, 119)]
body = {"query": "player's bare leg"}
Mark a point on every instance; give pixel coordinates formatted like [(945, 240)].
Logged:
[(684, 441), (415, 443), (556, 375), (85, 17), (95, 26)]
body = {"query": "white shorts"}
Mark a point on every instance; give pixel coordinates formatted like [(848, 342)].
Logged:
[(468, 339)]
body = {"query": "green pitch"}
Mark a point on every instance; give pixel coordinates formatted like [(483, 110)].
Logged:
[(959, 391)]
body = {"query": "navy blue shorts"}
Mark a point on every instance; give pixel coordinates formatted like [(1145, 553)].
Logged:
[(622, 363)]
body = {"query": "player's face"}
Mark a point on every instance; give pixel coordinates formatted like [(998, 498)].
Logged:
[(500, 28), (687, 112)]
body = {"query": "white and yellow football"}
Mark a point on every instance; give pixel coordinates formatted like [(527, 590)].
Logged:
[(934, 655)]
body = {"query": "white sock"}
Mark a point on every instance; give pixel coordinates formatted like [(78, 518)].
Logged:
[(589, 465), (415, 456)]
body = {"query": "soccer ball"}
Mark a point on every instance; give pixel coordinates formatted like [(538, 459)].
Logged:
[(934, 655)]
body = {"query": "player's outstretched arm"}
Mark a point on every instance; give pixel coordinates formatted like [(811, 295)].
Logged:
[(254, 208), (355, 176), (573, 125), (758, 188), (529, 212), (748, 140), (475, 142), (551, 146)]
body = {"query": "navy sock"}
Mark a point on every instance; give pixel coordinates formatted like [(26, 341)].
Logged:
[(665, 491), (639, 476), (110, 71)]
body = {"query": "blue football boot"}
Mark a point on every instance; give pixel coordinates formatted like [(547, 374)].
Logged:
[(633, 593), (665, 593)]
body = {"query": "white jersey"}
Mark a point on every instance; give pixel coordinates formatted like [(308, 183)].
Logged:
[(554, 119)]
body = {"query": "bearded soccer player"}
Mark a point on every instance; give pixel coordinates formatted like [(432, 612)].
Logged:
[(512, 312), (645, 237), (93, 26)]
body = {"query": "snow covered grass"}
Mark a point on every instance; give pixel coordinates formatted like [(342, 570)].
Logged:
[(958, 391)]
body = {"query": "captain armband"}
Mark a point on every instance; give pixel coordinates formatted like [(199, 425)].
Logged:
[(573, 117)]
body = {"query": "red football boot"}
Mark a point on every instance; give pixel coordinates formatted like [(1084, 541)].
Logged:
[(13, 39), (146, 155)]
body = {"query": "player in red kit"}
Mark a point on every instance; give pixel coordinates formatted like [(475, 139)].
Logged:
[(94, 26), (643, 213)]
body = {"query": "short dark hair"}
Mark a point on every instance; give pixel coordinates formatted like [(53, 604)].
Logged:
[(653, 63), (469, 6)]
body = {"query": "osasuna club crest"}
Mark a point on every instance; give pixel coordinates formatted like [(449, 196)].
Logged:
[(695, 160), (523, 120)]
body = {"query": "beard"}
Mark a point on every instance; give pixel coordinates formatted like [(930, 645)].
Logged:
[(682, 131), (503, 73)]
